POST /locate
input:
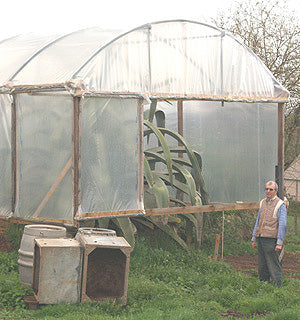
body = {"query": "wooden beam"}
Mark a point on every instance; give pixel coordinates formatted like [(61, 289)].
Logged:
[(140, 154), (13, 152), (109, 214), (212, 207), (76, 157), (21, 220), (53, 188), (180, 118), (280, 149)]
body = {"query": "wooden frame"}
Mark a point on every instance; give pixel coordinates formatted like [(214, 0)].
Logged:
[(13, 153), (211, 207), (76, 149), (76, 154), (280, 149)]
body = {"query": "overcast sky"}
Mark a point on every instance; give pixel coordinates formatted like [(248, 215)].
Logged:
[(40, 16)]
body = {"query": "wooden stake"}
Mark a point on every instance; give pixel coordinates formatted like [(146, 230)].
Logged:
[(76, 164), (217, 247), (223, 224), (13, 152), (280, 143)]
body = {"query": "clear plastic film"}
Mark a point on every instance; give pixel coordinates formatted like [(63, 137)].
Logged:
[(178, 58), (44, 151), (15, 51), (5, 155), (109, 155), (238, 145), (57, 62), (181, 58)]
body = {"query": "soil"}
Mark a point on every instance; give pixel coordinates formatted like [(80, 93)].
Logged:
[(5, 245), (248, 263)]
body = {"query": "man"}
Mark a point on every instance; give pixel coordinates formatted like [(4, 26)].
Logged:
[(269, 233)]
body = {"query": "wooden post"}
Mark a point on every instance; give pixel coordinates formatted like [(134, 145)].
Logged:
[(223, 227), (76, 149), (13, 152), (140, 154), (280, 154), (217, 247), (180, 121)]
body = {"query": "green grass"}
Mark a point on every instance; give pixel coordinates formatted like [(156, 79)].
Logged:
[(165, 283)]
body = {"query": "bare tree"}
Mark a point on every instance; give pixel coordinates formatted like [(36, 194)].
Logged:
[(272, 31)]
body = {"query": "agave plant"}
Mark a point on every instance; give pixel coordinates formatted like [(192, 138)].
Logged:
[(178, 178), (182, 176)]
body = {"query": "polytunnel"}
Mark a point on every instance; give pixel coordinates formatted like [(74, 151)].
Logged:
[(72, 110)]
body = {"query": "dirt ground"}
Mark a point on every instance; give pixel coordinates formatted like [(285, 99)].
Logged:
[(5, 245), (248, 263)]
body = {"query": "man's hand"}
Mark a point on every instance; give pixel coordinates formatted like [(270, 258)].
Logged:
[(254, 244), (278, 247)]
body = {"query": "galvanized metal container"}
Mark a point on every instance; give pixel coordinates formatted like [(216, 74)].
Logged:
[(57, 270), (32, 232)]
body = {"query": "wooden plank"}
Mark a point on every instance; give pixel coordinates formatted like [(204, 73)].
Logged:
[(13, 152), (21, 220), (109, 214), (76, 146), (212, 207), (280, 150), (180, 96), (140, 154), (217, 243), (17, 158), (180, 118), (53, 188)]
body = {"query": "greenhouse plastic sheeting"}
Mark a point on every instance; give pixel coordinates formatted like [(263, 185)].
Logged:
[(15, 51), (109, 158), (237, 143), (181, 58), (60, 59), (44, 140), (5, 155)]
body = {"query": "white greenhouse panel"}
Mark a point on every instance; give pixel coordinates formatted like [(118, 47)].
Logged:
[(44, 142), (238, 145), (109, 155)]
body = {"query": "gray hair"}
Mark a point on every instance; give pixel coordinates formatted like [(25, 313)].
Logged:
[(273, 183)]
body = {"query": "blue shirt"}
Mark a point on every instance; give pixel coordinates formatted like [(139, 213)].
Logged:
[(282, 217)]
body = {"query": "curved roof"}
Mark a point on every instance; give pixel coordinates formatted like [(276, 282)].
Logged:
[(167, 58)]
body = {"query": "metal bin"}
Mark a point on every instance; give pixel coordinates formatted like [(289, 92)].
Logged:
[(57, 270)]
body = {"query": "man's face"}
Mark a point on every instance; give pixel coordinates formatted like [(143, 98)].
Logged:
[(270, 191)]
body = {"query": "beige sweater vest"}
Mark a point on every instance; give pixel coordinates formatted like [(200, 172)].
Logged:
[(268, 222)]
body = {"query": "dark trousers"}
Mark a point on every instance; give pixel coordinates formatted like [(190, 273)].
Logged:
[(269, 267)]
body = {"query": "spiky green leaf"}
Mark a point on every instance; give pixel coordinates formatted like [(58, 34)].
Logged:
[(164, 146), (193, 160), (148, 173), (126, 226), (160, 192), (166, 229)]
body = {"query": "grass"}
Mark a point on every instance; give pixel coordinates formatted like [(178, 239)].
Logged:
[(165, 283)]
